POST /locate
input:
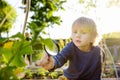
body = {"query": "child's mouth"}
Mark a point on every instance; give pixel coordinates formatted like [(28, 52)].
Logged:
[(78, 41)]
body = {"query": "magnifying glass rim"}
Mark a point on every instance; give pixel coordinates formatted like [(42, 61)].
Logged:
[(56, 46)]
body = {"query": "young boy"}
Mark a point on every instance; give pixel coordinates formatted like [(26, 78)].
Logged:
[(83, 55)]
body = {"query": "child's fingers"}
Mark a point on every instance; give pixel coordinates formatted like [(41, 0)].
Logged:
[(43, 60), (49, 64), (62, 78), (45, 56), (46, 62)]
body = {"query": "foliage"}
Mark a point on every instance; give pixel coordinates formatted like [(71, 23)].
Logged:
[(112, 35), (13, 49), (29, 74), (38, 73), (41, 73), (7, 10), (53, 75), (112, 41), (43, 16), (112, 38), (113, 3), (12, 52), (6, 73), (89, 5)]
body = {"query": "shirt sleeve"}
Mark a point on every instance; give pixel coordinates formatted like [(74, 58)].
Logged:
[(63, 56)]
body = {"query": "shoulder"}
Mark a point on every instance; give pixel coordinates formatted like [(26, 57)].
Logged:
[(101, 52), (97, 48), (70, 45), (100, 49), (69, 48)]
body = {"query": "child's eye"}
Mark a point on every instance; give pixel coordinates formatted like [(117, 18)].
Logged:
[(74, 31), (83, 32)]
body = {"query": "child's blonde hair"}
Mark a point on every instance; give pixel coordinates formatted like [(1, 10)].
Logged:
[(89, 24)]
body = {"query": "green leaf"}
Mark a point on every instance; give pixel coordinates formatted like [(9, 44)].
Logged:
[(2, 40), (49, 43), (22, 47), (18, 61), (6, 54), (42, 71), (7, 9), (18, 35), (7, 73), (14, 54), (26, 48), (53, 75), (16, 46), (19, 48)]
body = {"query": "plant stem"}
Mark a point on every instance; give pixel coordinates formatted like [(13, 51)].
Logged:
[(26, 17)]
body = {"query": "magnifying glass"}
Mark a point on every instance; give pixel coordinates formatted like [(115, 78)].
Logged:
[(53, 50)]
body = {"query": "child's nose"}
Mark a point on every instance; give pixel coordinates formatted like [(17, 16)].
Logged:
[(78, 34)]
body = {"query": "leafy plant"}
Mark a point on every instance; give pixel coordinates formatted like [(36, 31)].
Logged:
[(13, 48), (29, 74), (53, 75), (44, 17), (42, 72), (7, 16), (12, 55)]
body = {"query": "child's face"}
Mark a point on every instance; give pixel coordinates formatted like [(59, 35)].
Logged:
[(81, 36)]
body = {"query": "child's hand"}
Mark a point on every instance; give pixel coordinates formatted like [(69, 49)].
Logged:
[(46, 62), (62, 78)]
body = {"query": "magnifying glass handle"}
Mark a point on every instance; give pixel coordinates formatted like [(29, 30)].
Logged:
[(51, 70)]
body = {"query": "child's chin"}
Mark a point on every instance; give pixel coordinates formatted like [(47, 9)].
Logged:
[(78, 45)]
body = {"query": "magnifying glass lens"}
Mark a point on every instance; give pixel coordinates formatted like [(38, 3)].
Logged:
[(52, 51)]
